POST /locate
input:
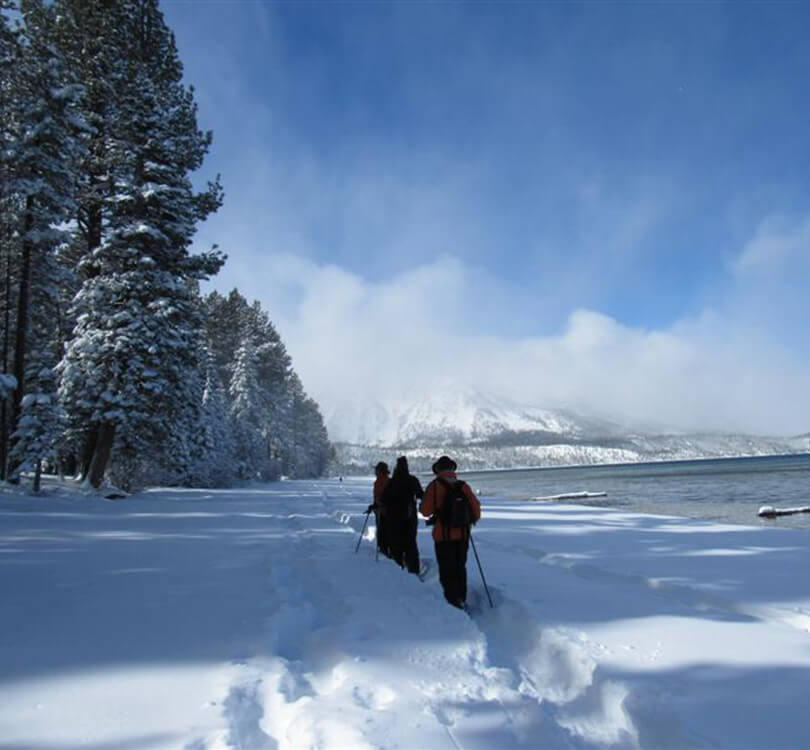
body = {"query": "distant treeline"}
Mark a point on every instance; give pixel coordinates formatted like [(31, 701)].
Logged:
[(538, 451), (112, 362)]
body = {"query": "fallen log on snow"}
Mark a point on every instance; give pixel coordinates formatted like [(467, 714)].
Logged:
[(570, 496), (768, 511)]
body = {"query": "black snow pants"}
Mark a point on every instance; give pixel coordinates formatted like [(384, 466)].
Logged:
[(402, 541), (382, 532), (452, 559)]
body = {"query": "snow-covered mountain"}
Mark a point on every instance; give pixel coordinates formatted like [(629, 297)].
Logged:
[(485, 431), (452, 413)]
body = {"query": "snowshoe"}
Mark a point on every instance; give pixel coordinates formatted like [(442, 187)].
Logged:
[(473, 604)]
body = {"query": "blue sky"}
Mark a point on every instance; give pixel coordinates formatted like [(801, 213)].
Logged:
[(513, 179)]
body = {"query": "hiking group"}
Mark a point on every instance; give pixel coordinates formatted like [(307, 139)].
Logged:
[(451, 508)]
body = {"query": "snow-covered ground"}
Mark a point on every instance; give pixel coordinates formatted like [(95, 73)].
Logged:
[(211, 619)]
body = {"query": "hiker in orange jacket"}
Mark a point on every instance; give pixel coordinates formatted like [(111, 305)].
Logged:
[(451, 541), (381, 471)]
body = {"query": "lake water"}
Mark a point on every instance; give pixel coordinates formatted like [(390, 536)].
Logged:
[(728, 489)]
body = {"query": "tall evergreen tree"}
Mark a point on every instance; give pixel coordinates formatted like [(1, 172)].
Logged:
[(275, 424), (307, 444), (250, 434), (97, 141), (10, 105), (212, 450), (135, 343), (41, 159)]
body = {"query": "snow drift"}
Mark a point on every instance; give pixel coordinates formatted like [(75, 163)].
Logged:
[(214, 619)]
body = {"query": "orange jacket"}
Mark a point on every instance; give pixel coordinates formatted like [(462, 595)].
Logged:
[(434, 498), (379, 486)]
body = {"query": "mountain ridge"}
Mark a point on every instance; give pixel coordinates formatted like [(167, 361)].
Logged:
[(485, 431)]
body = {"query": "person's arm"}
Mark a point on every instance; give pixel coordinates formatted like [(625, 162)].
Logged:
[(417, 488), (428, 505), (385, 495)]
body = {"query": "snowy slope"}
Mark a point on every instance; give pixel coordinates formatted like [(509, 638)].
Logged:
[(219, 619), (484, 432), (451, 411)]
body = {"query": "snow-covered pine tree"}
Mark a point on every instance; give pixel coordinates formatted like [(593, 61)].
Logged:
[(42, 155), (288, 420), (307, 448), (172, 461), (94, 38), (228, 321), (275, 375), (40, 426), (251, 445), (318, 448), (231, 322), (134, 347), (212, 449), (42, 421), (133, 371)]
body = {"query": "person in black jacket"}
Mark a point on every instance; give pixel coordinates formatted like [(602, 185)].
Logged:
[(399, 500)]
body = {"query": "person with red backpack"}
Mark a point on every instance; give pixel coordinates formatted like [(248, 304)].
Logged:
[(452, 508)]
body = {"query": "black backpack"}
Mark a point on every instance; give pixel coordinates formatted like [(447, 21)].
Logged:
[(455, 512)]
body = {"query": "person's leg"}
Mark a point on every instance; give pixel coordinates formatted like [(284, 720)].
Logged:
[(461, 569), (412, 552), (397, 542), (379, 531), (385, 533), (445, 558)]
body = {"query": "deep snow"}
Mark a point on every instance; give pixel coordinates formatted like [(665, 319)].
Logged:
[(211, 619)]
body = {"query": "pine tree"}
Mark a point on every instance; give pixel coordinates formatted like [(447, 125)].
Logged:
[(307, 446), (10, 95), (135, 344), (250, 436), (97, 140), (40, 426), (42, 420), (274, 418), (43, 150), (212, 452)]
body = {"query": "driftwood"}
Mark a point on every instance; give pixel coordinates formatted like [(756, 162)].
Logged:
[(768, 511), (570, 496)]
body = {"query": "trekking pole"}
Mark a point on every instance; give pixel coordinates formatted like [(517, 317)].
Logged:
[(363, 531), (481, 570), (377, 537)]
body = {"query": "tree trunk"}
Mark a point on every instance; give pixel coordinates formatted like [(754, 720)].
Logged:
[(94, 225), (4, 405), (20, 342), (106, 435), (90, 443), (38, 475), (68, 466)]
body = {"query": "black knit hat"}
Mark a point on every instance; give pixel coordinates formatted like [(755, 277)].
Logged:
[(381, 467), (444, 463)]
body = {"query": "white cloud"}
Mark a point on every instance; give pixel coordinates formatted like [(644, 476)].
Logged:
[(416, 234), (383, 339), (779, 243)]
